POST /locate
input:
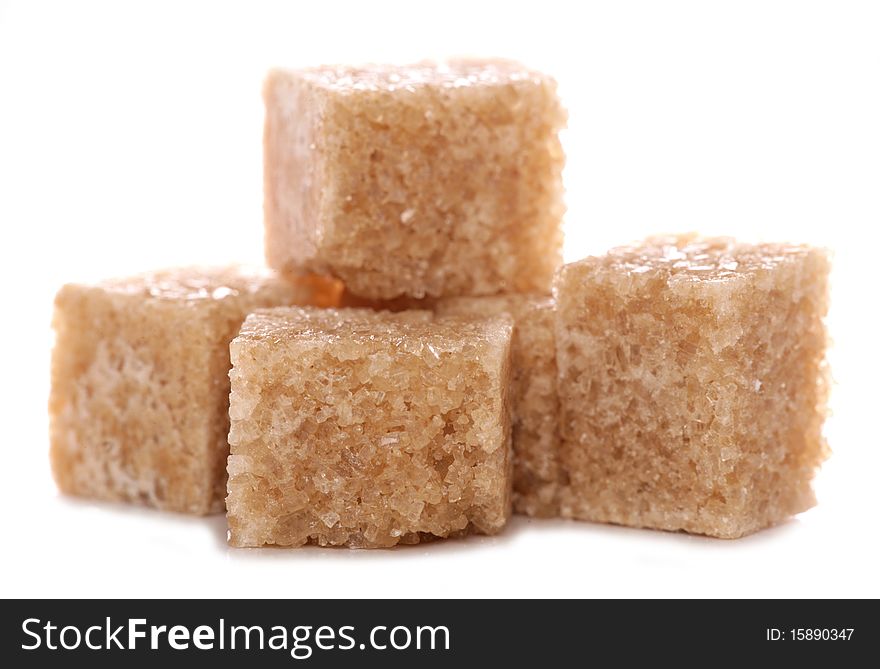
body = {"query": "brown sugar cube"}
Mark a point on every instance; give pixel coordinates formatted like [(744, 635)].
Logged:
[(367, 429), (692, 383), (533, 398), (140, 389), (426, 180)]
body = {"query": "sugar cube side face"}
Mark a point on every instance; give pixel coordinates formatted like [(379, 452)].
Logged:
[(692, 383), (429, 180), (140, 390), (534, 401), (367, 429)]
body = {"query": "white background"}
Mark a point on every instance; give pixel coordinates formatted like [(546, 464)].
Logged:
[(130, 138)]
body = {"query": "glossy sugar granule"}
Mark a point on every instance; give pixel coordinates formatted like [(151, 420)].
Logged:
[(140, 389), (692, 383), (533, 397), (367, 429), (427, 180)]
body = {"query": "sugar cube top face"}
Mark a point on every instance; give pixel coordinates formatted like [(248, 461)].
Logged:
[(534, 400), (203, 286), (430, 180), (367, 429), (692, 383), (140, 391)]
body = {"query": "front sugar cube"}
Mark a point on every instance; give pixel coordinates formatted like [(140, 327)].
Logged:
[(534, 402), (367, 429), (140, 389), (428, 180), (692, 383)]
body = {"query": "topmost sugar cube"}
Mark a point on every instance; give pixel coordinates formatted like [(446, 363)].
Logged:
[(429, 180)]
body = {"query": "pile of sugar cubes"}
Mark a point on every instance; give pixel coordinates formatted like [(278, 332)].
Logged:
[(419, 364)]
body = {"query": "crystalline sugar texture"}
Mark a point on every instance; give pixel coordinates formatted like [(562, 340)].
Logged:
[(428, 180), (367, 429), (140, 392), (692, 383), (534, 401)]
